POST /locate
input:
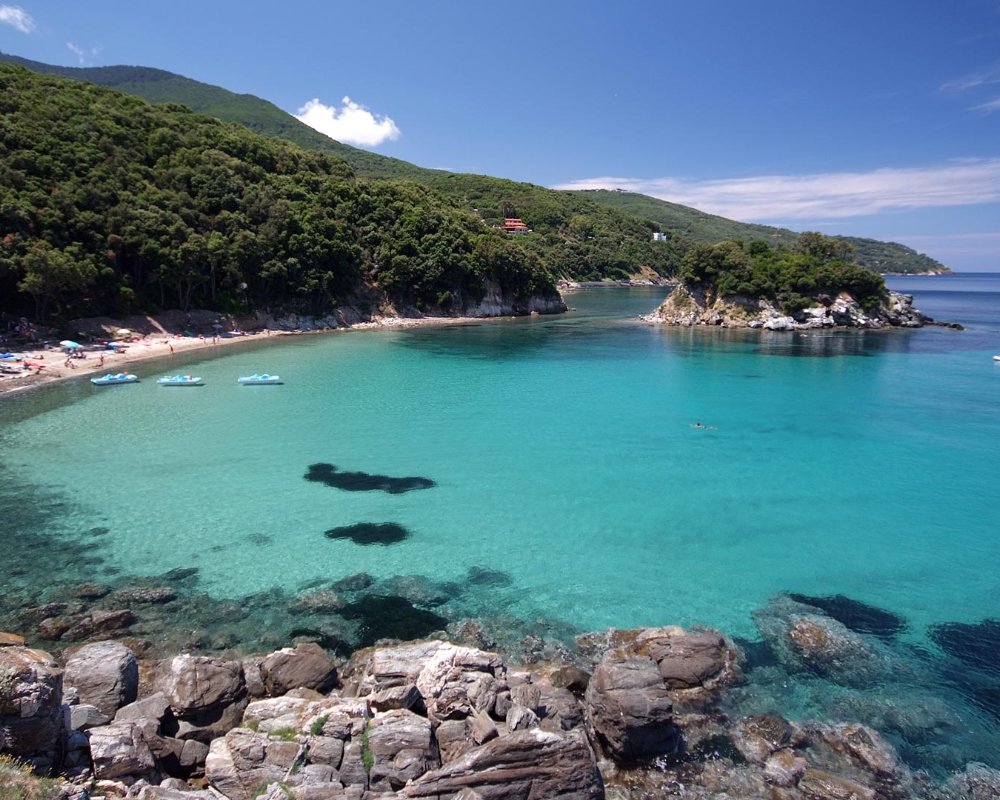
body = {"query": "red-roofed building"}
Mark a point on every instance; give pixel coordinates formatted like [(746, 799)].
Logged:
[(515, 225)]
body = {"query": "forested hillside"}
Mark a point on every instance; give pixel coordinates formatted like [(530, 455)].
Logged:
[(882, 257), (577, 237), (110, 205), (262, 116)]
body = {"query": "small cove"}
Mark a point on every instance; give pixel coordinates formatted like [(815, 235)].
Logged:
[(557, 452)]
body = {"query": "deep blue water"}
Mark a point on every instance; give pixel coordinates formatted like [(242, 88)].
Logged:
[(558, 453)]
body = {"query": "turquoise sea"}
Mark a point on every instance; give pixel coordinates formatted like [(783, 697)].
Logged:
[(561, 467)]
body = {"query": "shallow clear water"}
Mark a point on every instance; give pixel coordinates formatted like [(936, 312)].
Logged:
[(562, 452)]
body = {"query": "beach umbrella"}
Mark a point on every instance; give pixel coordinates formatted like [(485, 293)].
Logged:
[(217, 325), (69, 345), (123, 332)]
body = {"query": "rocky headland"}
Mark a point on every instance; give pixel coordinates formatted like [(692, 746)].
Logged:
[(696, 305), (632, 714)]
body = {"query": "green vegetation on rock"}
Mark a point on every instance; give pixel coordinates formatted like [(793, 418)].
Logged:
[(793, 276)]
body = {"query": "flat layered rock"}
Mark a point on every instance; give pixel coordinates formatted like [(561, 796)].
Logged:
[(526, 764)]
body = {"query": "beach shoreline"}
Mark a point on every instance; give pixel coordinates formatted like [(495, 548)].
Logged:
[(56, 367)]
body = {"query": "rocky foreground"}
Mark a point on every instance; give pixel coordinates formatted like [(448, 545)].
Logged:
[(695, 306), (434, 719)]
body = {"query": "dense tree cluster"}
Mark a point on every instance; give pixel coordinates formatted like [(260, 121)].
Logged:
[(110, 205), (814, 265)]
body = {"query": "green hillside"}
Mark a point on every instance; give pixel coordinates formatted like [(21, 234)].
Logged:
[(883, 257), (553, 213), (261, 116), (110, 205)]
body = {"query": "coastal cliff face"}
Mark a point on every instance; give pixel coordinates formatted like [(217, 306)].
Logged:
[(688, 306), (496, 302)]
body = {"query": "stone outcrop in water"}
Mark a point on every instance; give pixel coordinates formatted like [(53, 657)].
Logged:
[(689, 306), (435, 719), (805, 640)]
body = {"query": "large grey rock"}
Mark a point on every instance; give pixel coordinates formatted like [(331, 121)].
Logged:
[(85, 716), (306, 665), (629, 710), (193, 684), (105, 675), (390, 667), (243, 761), (207, 695), (120, 751), (533, 764), (452, 681), (401, 747), (154, 707), (31, 714), (696, 665), (171, 793), (558, 708), (456, 681)]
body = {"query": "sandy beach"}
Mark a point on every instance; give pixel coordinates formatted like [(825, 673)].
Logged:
[(43, 366)]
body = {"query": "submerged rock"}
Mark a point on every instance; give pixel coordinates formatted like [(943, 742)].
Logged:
[(855, 615), (369, 533), (804, 640), (390, 618), (330, 475)]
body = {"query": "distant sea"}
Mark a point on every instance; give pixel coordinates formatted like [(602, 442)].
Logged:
[(544, 475)]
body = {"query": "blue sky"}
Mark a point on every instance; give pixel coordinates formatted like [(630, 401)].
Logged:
[(866, 118)]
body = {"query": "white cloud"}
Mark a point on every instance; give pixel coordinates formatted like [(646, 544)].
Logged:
[(986, 77), (82, 53), (353, 123), (988, 107), (17, 17), (834, 195)]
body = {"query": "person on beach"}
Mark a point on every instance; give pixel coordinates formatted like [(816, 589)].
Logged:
[(100, 360), (170, 346)]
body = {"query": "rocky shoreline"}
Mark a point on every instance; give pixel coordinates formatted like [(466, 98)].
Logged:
[(632, 714), (690, 306)]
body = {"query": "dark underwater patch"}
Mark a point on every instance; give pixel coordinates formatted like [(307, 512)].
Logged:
[(855, 615), (369, 533), (757, 653), (181, 574), (391, 617), (976, 644), (260, 539), (484, 576), (977, 686), (329, 475)]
